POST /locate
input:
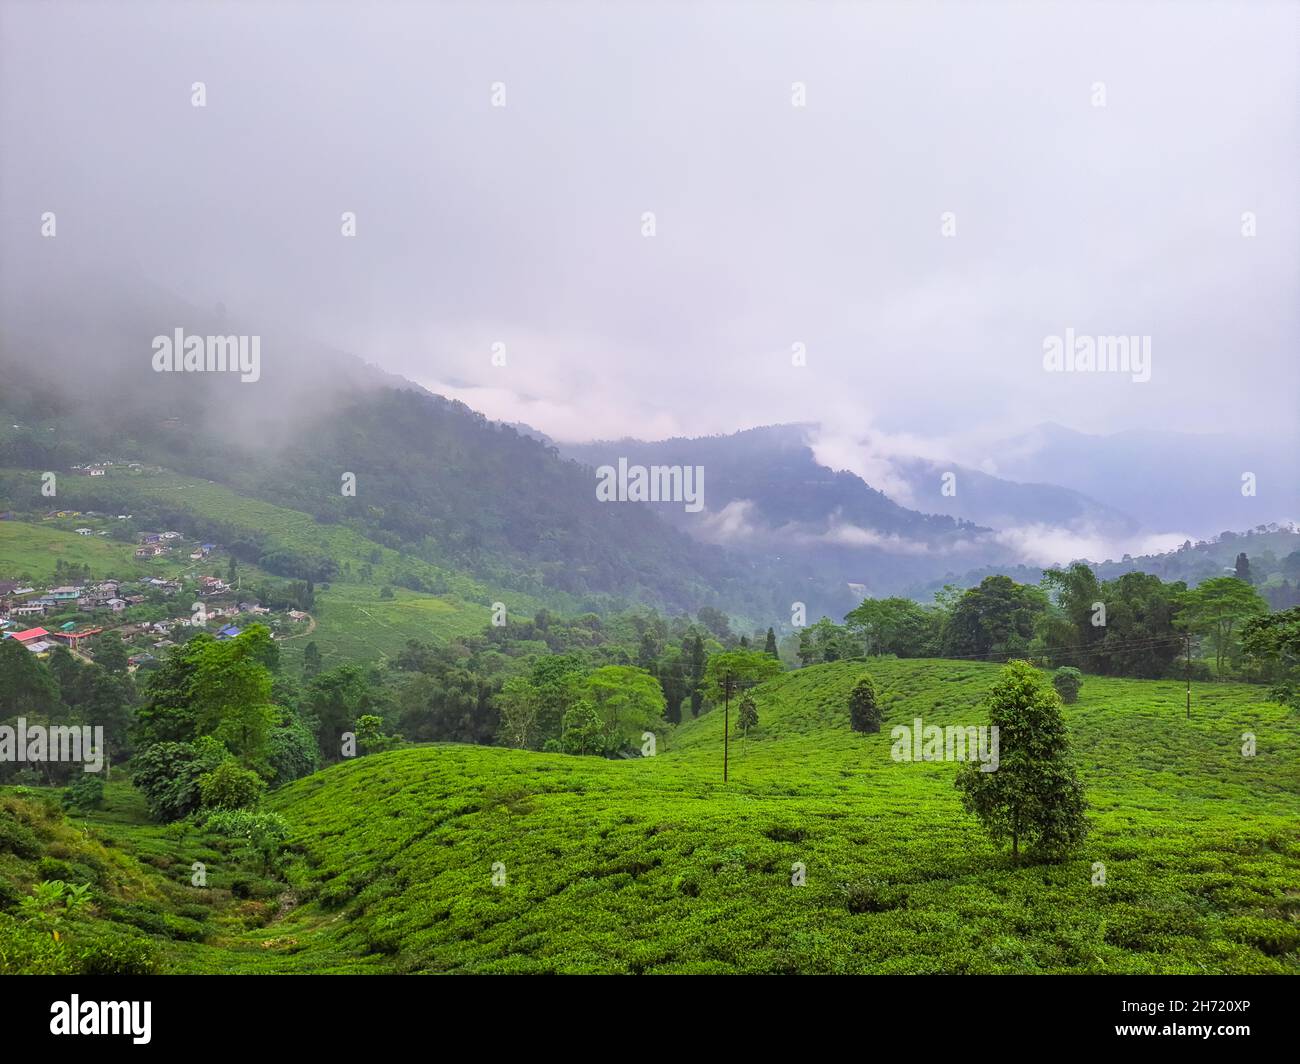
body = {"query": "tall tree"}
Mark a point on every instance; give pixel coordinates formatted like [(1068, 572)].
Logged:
[(864, 709), (995, 619), (629, 701), (747, 668), (1033, 795), (748, 716), (1215, 608), (311, 660), (519, 704), (698, 663), (1242, 568), (896, 626), (674, 683), (110, 652), (770, 647), (26, 687)]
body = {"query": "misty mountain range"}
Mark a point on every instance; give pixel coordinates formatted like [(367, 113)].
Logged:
[(438, 479)]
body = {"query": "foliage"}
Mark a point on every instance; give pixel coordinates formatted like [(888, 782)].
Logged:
[(1034, 794), (1067, 681), (897, 626), (994, 620), (52, 902), (745, 668), (228, 786), (85, 792), (584, 731), (748, 716), (1216, 609), (291, 751), (169, 773), (628, 701), (864, 711), (369, 731), (519, 704)]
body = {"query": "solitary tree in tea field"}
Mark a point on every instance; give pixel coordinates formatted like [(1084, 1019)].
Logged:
[(748, 717), (864, 711), (1033, 795)]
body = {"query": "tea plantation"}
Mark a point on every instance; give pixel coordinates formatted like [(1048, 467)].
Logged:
[(821, 854)]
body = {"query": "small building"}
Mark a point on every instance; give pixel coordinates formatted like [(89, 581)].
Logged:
[(73, 639), (85, 531), (31, 635)]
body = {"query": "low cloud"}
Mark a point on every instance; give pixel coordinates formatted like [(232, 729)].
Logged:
[(733, 523), (1042, 544)]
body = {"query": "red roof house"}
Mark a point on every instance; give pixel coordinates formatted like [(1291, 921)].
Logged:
[(29, 635)]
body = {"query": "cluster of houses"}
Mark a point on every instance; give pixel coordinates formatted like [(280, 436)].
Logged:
[(99, 469), (53, 515), (18, 602), (156, 544), (21, 605)]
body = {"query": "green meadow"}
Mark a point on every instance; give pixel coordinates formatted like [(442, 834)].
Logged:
[(30, 549), (450, 858)]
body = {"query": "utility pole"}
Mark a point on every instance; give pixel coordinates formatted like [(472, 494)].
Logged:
[(1189, 675)]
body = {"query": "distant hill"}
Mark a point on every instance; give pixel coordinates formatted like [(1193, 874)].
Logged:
[(433, 477), (1169, 482), (769, 494)]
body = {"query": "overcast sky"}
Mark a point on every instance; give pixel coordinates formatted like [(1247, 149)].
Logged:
[(775, 224)]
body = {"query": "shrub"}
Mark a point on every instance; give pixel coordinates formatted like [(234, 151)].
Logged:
[(1067, 682), (169, 774), (53, 868), (27, 950), (228, 786), (870, 896), (116, 953), (370, 734), (263, 832), (17, 838), (86, 792), (1285, 693), (291, 752), (864, 712), (9, 895)]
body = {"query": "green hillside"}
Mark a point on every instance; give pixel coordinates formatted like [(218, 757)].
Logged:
[(654, 865), (354, 619), (29, 549)]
